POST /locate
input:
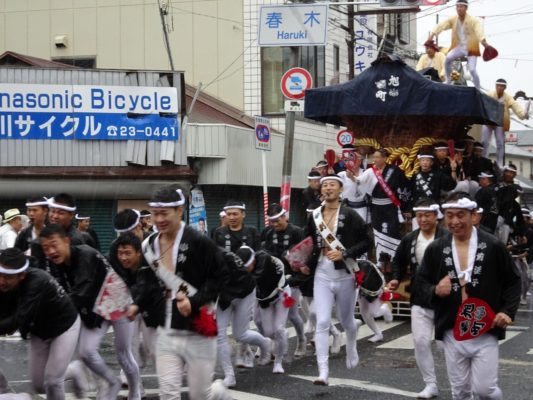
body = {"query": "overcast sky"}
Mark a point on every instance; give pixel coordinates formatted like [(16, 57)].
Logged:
[(511, 35)]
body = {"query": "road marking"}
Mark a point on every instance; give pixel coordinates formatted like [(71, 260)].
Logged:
[(507, 361), (404, 342), (363, 385), (530, 352), (249, 396)]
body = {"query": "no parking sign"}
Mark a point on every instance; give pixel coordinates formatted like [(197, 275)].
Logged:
[(295, 82)]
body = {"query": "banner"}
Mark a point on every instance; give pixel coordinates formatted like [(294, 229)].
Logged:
[(197, 213), (85, 112)]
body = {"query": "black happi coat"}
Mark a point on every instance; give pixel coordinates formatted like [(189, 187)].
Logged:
[(487, 199), (352, 232), (39, 307), (270, 278), (240, 284), (429, 185), (473, 166), (230, 240), (82, 280), (310, 199), (508, 207), (497, 281), (24, 238), (201, 264), (147, 291), (406, 257)]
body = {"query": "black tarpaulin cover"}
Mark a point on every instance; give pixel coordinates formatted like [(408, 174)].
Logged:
[(391, 95)]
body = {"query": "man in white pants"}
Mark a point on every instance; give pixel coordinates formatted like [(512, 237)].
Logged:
[(409, 256), (499, 131), (467, 33), (466, 275)]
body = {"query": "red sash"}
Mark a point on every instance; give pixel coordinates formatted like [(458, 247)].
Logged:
[(386, 188)]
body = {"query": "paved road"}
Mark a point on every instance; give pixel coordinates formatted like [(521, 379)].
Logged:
[(387, 370)]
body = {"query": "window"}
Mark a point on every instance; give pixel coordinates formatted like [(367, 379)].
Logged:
[(275, 61), (81, 62), (402, 26), (336, 58)]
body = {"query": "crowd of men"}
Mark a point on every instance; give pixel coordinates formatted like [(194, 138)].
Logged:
[(175, 290)]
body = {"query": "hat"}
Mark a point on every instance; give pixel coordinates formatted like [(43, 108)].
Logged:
[(11, 214), (331, 177), (314, 175), (486, 174), (126, 220), (501, 82), (462, 2), (431, 44)]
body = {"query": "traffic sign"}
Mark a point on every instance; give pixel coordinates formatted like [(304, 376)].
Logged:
[(345, 137), (262, 134), (293, 25), (294, 105), (295, 82)]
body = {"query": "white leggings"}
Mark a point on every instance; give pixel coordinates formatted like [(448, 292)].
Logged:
[(371, 310), (453, 55), (472, 367), (499, 135), (173, 352), (49, 360), (309, 305), (422, 320), (239, 313), (90, 340), (326, 294), (294, 314), (273, 319)]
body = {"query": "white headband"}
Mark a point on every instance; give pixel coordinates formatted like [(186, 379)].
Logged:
[(8, 271), (424, 156), (484, 175), (77, 216), (479, 210), (433, 207), (479, 147), (281, 213), (38, 203), (237, 206), (331, 178), (464, 203), (441, 148), (130, 228), (52, 204), (314, 177), (252, 257), (170, 204), (508, 168), (222, 214)]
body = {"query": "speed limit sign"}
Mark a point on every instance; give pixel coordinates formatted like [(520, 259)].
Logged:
[(344, 137)]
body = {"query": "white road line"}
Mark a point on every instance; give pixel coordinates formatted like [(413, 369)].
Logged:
[(530, 352), (363, 385), (249, 396), (404, 342)]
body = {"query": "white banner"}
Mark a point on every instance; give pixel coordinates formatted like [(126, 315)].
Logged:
[(365, 46)]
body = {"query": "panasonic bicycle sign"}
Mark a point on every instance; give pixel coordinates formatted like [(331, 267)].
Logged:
[(88, 112)]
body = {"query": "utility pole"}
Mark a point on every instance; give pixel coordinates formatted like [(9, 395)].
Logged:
[(285, 200)]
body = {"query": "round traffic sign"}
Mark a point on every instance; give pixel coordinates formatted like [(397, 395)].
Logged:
[(344, 137), (262, 132), (295, 82)]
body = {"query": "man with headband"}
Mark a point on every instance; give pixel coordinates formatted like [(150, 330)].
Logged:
[(408, 257), (193, 270), (339, 237), (41, 310), (311, 194), (352, 194), (37, 212), (277, 239), (471, 279)]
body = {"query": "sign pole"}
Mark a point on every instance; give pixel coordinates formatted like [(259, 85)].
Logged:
[(265, 188), (285, 200)]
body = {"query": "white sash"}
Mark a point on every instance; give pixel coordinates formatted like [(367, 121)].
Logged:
[(331, 240)]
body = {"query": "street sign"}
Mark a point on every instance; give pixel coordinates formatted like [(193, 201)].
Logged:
[(294, 105), (262, 134), (345, 137), (295, 82), (293, 25)]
